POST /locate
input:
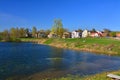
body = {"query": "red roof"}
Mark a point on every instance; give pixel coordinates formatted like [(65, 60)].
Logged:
[(118, 35)]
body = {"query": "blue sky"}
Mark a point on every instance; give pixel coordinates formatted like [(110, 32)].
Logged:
[(84, 14)]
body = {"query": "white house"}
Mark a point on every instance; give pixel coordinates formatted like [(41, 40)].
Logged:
[(75, 34), (85, 33)]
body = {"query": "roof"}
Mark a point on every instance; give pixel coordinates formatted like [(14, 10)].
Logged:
[(118, 34)]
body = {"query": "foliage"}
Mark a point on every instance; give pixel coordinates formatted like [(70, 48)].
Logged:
[(80, 30), (112, 34), (47, 32), (6, 35), (27, 33), (22, 32), (93, 30), (107, 31), (14, 33), (0, 36), (58, 27), (34, 31)]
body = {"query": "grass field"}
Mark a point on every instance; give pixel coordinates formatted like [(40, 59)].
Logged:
[(99, 45), (106, 46)]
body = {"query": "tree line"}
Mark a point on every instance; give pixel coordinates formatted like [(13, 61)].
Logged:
[(15, 33)]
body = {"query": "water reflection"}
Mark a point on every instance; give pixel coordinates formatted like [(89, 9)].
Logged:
[(56, 59)]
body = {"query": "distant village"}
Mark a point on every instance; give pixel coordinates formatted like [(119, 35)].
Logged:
[(57, 31), (78, 34), (15, 33)]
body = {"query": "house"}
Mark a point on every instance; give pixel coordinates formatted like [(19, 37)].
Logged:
[(40, 34), (28, 35), (104, 34), (96, 34), (66, 35), (76, 34), (85, 33), (52, 35), (118, 35)]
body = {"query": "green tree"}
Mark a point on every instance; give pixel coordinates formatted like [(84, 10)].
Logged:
[(112, 34), (80, 30), (34, 31), (47, 32), (107, 31), (17, 32), (22, 32), (93, 30), (1, 36), (14, 33), (6, 35), (27, 33), (58, 27)]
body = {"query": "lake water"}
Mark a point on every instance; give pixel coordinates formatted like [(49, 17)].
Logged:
[(25, 59)]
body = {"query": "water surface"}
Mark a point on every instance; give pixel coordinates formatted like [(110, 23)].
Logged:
[(25, 59)]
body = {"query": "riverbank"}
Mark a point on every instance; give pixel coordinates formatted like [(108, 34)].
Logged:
[(56, 76), (105, 46), (100, 76)]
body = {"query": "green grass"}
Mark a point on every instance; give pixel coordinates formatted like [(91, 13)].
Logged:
[(98, 45), (103, 44), (28, 39), (48, 41)]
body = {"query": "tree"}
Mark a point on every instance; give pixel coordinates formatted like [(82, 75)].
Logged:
[(14, 33), (80, 30), (1, 36), (58, 27), (27, 33), (34, 31), (47, 32), (107, 31), (112, 34), (93, 30), (22, 32), (6, 35), (17, 33)]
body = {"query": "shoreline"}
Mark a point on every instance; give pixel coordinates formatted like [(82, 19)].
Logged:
[(64, 45)]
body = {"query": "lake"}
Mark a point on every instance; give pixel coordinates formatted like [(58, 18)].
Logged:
[(29, 59)]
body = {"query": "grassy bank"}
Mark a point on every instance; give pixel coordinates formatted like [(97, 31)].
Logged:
[(98, 45), (101, 76), (52, 76)]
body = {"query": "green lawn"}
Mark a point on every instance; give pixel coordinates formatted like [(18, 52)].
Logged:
[(101, 45), (106, 46)]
